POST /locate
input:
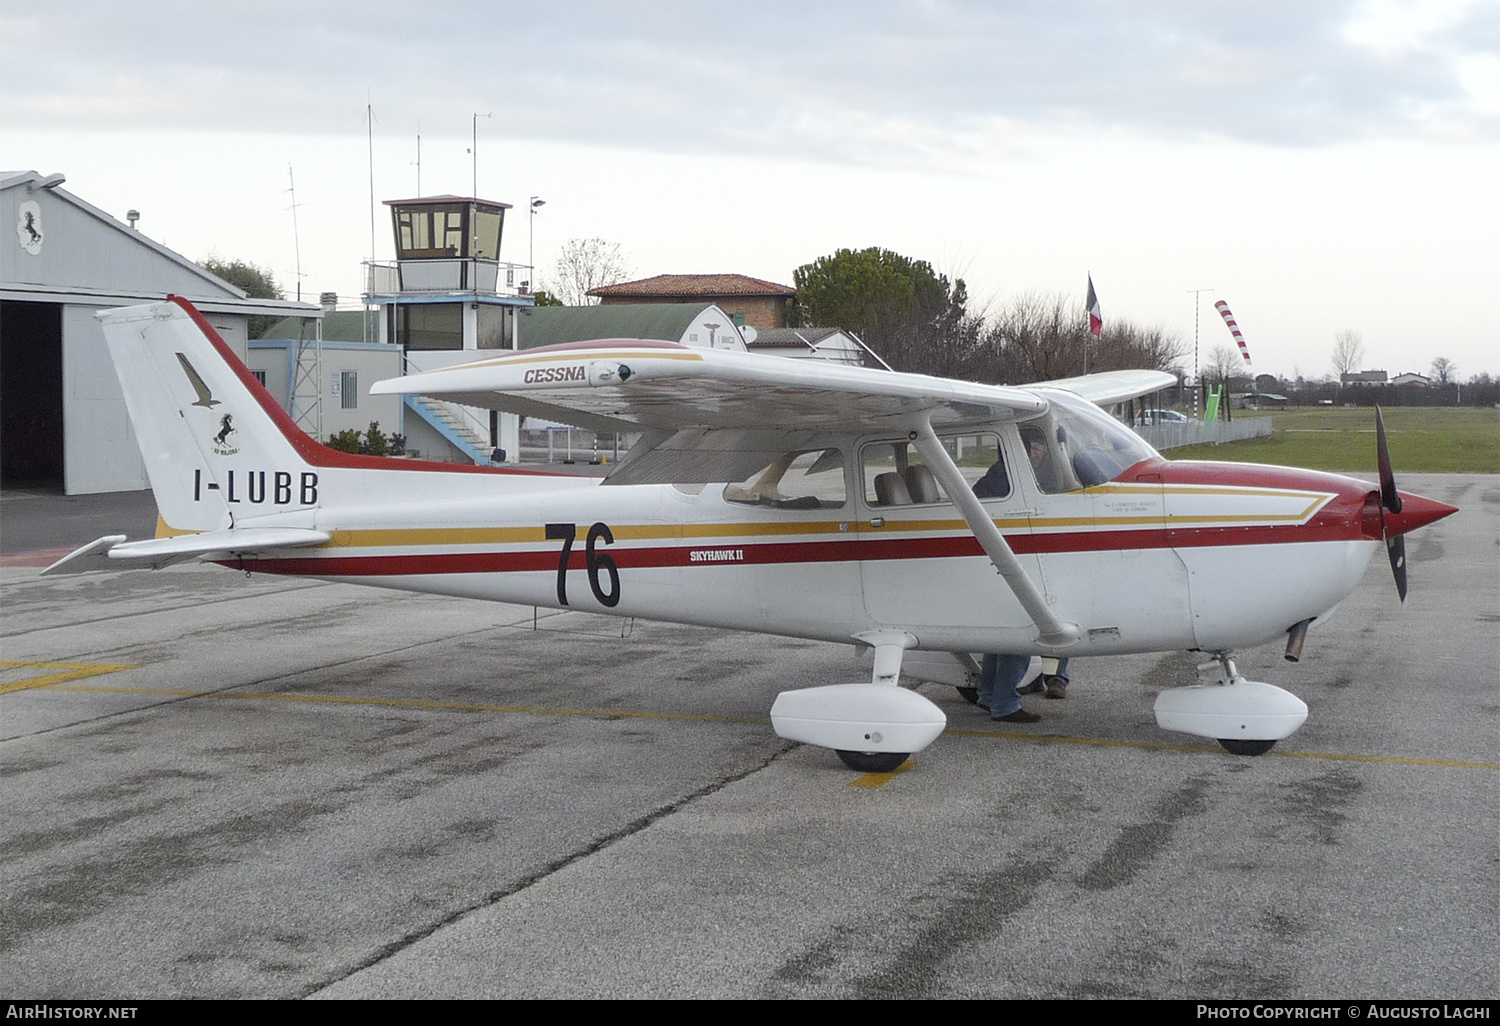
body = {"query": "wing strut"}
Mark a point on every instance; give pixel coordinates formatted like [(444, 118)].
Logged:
[(1054, 632)]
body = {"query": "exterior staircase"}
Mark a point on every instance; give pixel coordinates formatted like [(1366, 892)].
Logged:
[(452, 425)]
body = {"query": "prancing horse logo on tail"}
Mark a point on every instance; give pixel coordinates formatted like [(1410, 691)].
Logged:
[(222, 443)]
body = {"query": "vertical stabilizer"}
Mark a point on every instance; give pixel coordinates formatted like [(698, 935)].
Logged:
[(210, 435)]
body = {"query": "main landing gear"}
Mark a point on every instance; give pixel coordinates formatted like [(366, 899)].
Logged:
[(1237, 747), (873, 727)]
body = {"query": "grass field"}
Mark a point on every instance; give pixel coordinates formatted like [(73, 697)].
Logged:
[(1423, 440)]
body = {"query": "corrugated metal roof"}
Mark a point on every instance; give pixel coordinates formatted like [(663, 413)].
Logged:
[(790, 338), (338, 326), (550, 325), (706, 285)]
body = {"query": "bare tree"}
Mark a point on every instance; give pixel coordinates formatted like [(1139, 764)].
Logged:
[(1348, 351), (1039, 337), (1225, 366), (1444, 370), (584, 264)]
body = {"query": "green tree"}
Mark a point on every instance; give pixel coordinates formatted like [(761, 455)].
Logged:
[(862, 290), (256, 281), (900, 307), (545, 298)]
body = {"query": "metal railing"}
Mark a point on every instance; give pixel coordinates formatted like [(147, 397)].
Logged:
[(430, 277)]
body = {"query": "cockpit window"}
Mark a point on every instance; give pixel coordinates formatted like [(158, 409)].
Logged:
[(895, 474), (1076, 445), (807, 479)]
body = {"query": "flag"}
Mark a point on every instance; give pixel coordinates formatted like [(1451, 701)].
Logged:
[(1096, 316), (1234, 329)]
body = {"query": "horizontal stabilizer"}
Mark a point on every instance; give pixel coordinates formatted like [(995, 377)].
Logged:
[(113, 552)]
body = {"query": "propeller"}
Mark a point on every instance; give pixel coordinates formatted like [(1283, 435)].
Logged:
[(1390, 501)]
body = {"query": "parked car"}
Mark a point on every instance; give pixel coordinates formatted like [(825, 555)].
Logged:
[(1160, 417)]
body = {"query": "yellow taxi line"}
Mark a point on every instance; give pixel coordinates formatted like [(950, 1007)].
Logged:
[(877, 779), (67, 672)]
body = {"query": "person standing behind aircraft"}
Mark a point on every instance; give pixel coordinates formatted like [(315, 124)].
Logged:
[(1053, 680), (1000, 673)]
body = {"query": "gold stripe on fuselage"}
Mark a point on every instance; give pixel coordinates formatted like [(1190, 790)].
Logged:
[(536, 534)]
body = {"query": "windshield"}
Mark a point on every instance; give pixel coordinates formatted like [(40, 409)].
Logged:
[(1077, 445)]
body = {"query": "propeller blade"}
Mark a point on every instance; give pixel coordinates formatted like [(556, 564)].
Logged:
[(1395, 548), (1390, 500), (1389, 497)]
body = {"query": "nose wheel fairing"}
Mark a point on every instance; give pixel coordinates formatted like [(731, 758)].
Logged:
[(1247, 717)]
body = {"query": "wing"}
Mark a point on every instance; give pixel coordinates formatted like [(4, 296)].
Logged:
[(625, 385), (707, 415), (1109, 387)]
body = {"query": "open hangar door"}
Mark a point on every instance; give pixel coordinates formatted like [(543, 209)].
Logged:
[(31, 395)]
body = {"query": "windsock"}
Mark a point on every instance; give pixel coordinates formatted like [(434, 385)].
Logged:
[(1234, 329)]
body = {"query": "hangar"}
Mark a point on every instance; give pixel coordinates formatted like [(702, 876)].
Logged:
[(63, 424), (702, 325)]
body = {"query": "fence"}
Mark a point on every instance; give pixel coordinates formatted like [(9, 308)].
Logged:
[(1196, 432)]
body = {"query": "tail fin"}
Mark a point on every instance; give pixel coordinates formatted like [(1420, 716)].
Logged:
[(217, 446)]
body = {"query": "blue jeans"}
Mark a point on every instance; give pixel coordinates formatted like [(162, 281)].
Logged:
[(998, 677)]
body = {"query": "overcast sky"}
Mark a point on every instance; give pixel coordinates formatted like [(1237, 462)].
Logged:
[(1319, 165)]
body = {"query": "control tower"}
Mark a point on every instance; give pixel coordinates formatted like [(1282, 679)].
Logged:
[(446, 296)]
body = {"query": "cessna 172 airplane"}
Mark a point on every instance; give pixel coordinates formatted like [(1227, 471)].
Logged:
[(786, 497)]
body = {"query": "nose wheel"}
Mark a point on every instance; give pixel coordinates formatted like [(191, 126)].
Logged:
[(1235, 746), (873, 762)]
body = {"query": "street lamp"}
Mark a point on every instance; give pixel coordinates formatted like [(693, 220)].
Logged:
[(536, 201)]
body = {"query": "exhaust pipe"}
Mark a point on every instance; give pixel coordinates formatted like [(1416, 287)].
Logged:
[(1295, 635)]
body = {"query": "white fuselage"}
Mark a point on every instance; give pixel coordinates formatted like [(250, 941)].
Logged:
[(1140, 566)]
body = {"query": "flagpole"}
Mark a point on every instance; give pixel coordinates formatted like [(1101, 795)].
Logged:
[(1095, 316)]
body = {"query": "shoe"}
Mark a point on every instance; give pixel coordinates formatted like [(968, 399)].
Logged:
[(1019, 716), (1056, 687), (1036, 687)]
